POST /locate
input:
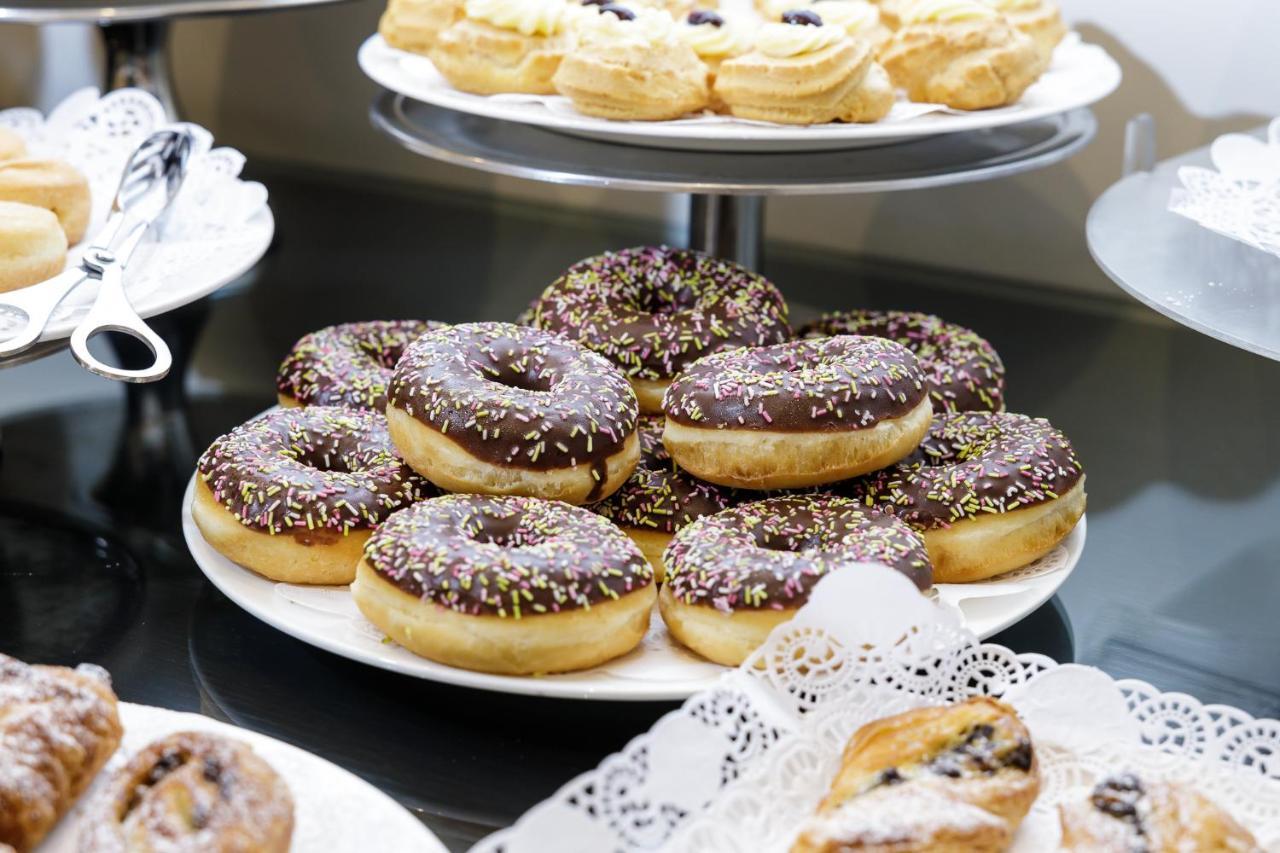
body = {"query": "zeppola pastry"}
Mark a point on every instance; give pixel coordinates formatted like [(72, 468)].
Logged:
[(963, 371), (802, 72), (502, 409), (347, 365), (11, 145), (505, 584), (1125, 813), (58, 727), (954, 778), (714, 39), (734, 576), (629, 64), (415, 25), (858, 18), (961, 53), (53, 185), (33, 246), (505, 46), (806, 413), (295, 493), (1040, 19), (989, 491), (192, 792), (652, 311)]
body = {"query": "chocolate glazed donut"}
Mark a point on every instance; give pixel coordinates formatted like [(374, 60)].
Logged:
[(806, 413), (496, 408), (505, 584), (653, 311)]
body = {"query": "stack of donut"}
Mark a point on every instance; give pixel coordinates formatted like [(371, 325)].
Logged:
[(652, 419)]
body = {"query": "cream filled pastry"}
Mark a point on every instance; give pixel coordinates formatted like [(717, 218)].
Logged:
[(630, 64), (505, 46), (415, 25), (961, 53), (1040, 19), (804, 72), (714, 38), (858, 18)]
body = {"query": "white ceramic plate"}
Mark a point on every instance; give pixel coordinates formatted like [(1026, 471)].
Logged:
[(1081, 74), (333, 810), (660, 669)]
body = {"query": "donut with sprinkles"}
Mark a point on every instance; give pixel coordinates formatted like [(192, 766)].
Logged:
[(510, 585), (653, 311), (496, 408), (734, 576), (804, 413), (660, 498), (990, 492), (963, 370), (294, 494), (347, 365)]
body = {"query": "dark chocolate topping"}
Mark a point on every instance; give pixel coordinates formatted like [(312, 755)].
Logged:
[(972, 464), (349, 364), (622, 13), (653, 310), (516, 396), (1119, 797), (822, 385), (506, 556), (313, 473), (705, 16), (770, 554), (962, 370), (659, 496), (802, 17)]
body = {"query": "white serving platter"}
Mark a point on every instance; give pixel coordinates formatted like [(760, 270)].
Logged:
[(659, 669), (333, 810), (1081, 74)]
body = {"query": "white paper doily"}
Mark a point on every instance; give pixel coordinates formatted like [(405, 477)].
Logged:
[(1240, 200), (219, 227), (739, 767), (660, 668), (1081, 74), (333, 810)]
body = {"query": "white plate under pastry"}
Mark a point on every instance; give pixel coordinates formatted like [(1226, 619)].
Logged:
[(659, 669), (334, 811), (1081, 74)]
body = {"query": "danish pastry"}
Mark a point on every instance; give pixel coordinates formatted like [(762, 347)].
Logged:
[(415, 25), (50, 184), (58, 727), (954, 778), (961, 53), (196, 792), (11, 145), (1125, 813), (505, 46), (33, 246), (802, 72)]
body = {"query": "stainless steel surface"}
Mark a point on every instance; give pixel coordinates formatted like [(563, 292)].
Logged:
[(1140, 144), (524, 151), (137, 55), (95, 11), (728, 226), (1205, 281)]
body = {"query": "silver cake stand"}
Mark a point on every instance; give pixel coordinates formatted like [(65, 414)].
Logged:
[(1210, 283), (727, 189)]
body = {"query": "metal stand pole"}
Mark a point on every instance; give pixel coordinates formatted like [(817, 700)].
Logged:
[(137, 56), (728, 226)]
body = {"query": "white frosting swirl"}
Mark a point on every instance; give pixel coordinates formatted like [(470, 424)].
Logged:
[(707, 40), (650, 26), (528, 17), (853, 16), (946, 11), (784, 40)]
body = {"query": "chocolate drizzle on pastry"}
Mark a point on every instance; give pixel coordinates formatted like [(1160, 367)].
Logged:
[(770, 554), (962, 369), (516, 396), (313, 473), (1118, 797), (506, 556), (971, 465), (349, 364), (652, 310), (826, 384)]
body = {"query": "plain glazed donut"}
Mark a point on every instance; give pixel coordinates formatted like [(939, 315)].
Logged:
[(347, 365), (501, 409), (801, 414), (990, 492), (505, 584), (652, 311), (962, 369), (295, 493), (734, 576), (660, 498)]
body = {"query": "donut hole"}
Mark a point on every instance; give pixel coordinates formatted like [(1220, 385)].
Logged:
[(505, 531), (326, 460), (770, 541), (382, 355), (662, 299), (524, 381)]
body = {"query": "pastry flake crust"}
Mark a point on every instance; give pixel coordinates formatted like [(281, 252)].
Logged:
[(966, 65), (415, 25)]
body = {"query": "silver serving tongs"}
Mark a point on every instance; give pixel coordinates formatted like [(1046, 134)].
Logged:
[(151, 180)]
